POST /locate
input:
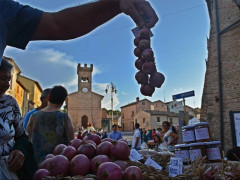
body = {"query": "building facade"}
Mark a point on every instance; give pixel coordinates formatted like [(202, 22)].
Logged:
[(153, 119), (84, 106), (19, 89), (221, 93), (129, 111), (34, 90)]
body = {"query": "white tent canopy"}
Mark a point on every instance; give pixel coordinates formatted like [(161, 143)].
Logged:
[(193, 121)]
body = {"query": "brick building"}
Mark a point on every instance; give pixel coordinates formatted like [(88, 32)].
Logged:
[(84, 106), (221, 93), (129, 111), (153, 119)]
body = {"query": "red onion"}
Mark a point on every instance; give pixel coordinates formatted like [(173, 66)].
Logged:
[(69, 152), (149, 68), (75, 143), (147, 54), (91, 142), (97, 161), (59, 166), (93, 137), (137, 52), (49, 156), (104, 148), (136, 41), (138, 63), (147, 90), (59, 148), (123, 140), (88, 179), (109, 171), (46, 164), (141, 77), (108, 139), (157, 79), (133, 173), (144, 44), (122, 164), (41, 173), (87, 149), (144, 33), (120, 150), (80, 165)]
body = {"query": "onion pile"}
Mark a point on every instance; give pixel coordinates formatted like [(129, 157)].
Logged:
[(87, 160), (147, 75)]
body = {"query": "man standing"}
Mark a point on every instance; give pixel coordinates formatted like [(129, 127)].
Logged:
[(136, 142), (44, 99), (115, 135)]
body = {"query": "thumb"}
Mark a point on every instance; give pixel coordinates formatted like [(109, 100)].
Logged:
[(11, 156)]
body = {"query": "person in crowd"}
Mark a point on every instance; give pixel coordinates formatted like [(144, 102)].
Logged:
[(136, 141), (115, 134), (49, 126), (79, 136), (141, 131), (157, 141), (169, 138), (149, 134), (153, 133), (159, 130), (105, 135), (69, 23), (173, 128), (44, 100), (144, 136), (15, 149)]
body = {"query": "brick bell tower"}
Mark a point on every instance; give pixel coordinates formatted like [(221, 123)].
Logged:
[(84, 78)]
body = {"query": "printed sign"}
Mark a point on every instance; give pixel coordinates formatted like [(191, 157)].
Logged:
[(237, 127), (134, 155), (152, 163), (183, 95), (175, 167)]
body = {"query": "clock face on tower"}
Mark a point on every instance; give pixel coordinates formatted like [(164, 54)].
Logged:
[(84, 90)]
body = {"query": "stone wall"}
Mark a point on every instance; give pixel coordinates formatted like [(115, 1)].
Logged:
[(228, 13)]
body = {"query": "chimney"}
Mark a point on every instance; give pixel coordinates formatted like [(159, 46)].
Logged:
[(137, 99)]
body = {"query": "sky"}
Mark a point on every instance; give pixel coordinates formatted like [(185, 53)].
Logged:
[(179, 44)]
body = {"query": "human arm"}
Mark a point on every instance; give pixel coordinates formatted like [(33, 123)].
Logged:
[(136, 143), (17, 155), (120, 136), (77, 21), (175, 138), (29, 128), (70, 129)]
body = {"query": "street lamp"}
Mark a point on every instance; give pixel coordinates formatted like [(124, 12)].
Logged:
[(113, 89)]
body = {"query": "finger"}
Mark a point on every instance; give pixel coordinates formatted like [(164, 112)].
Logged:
[(134, 14), (11, 156), (149, 12), (16, 164)]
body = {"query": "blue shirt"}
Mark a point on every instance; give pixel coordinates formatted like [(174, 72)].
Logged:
[(27, 116), (115, 136), (17, 24)]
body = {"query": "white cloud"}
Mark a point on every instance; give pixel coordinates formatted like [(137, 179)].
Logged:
[(106, 102), (124, 93), (48, 66)]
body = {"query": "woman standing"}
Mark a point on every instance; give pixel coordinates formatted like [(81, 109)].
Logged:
[(13, 140), (168, 136), (49, 126), (157, 141)]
